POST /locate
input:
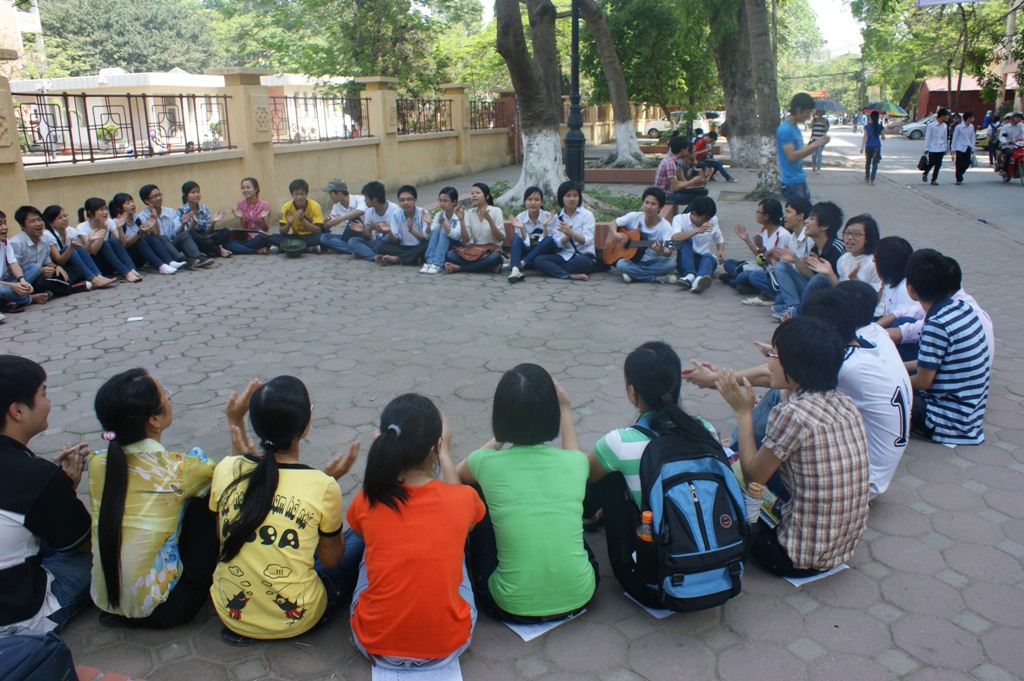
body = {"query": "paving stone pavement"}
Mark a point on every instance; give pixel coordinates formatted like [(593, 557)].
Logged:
[(936, 587)]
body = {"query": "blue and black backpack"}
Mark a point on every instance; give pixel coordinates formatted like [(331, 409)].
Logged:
[(699, 522)]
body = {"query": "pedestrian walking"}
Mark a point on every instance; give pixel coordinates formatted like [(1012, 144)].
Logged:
[(819, 129), (936, 144), (993, 139), (871, 147), (963, 145)]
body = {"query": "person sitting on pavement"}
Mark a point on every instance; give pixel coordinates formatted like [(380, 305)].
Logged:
[(376, 221), (44, 527), (794, 216), (444, 230), (898, 308), (70, 252), (872, 374), (568, 250), (413, 605), (32, 248), (816, 440), (142, 240), (656, 261), (253, 215), (154, 537), (301, 218), (676, 176), (529, 562), (105, 241), (739, 273), (858, 262), (482, 226), (951, 375), (168, 225), (201, 223), (698, 230), (652, 377), (312, 563), (405, 240), (347, 208), (792, 272), (706, 157), (531, 230), (15, 289)]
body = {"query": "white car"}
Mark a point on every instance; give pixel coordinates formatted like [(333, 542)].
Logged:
[(660, 126), (915, 131)]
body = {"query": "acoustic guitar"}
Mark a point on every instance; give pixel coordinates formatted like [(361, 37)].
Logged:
[(633, 249)]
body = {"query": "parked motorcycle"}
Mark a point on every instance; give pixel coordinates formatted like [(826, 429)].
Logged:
[(1015, 168)]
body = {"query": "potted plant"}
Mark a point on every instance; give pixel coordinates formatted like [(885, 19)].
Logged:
[(107, 134)]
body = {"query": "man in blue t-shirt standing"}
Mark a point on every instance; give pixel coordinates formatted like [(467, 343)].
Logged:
[(790, 144)]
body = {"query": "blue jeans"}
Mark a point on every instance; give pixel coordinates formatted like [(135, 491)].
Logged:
[(7, 295), (116, 256), (248, 246), (798, 190), (185, 242), (81, 260), (485, 264), (522, 253), (149, 249), (872, 155), (816, 158), (759, 280), (717, 165), (363, 248), (413, 664), (72, 576), (438, 246), (684, 197), (336, 242), (699, 264), (646, 271), (554, 266), (791, 287), (341, 579)]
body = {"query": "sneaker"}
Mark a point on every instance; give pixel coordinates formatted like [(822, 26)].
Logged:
[(167, 269), (189, 264), (515, 276), (924, 176), (207, 263), (668, 279), (274, 249), (435, 269), (177, 264), (626, 278), (935, 183), (687, 281), (504, 266), (758, 301), (732, 180), (425, 269), (701, 284), (724, 278)]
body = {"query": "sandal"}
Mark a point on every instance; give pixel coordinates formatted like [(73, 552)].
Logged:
[(451, 268), (225, 253), (235, 640)]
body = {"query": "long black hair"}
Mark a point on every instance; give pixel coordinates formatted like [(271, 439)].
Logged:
[(655, 373), (279, 412), (123, 406), (410, 426)]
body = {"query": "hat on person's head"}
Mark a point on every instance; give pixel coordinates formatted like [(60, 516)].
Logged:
[(336, 185), (1018, 114)]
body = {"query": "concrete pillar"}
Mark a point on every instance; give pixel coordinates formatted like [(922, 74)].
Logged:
[(460, 122), (249, 123), (12, 169), (382, 112)]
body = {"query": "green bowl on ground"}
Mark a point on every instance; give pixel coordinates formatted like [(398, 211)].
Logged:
[(293, 248)]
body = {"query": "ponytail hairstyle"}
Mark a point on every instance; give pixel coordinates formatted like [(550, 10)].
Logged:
[(655, 373), (187, 188), (123, 406), (279, 412), (410, 427), (451, 192), (116, 204), (773, 211), (81, 214), (51, 213), (487, 192)]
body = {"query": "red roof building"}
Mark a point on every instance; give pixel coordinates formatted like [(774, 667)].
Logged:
[(935, 93)]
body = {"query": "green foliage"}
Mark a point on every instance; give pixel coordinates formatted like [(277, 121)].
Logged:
[(83, 36), (661, 46)]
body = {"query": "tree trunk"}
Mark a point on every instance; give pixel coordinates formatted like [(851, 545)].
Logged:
[(627, 150), (766, 85), (732, 56), (537, 83)]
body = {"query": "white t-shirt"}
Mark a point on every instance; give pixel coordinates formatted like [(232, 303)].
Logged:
[(898, 302), (30, 253), (874, 377), (371, 217), (355, 202), (582, 223), (660, 232), (453, 224), (479, 231), (801, 245), (539, 225), (780, 239), (7, 257), (701, 242)]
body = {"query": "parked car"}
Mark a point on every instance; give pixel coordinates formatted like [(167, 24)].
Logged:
[(660, 126), (915, 131)]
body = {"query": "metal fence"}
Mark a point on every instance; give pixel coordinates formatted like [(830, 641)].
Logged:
[(563, 115), (64, 128), (424, 115), (485, 114), (306, 118)]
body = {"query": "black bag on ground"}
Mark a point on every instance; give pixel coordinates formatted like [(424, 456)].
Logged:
[(35, 657)]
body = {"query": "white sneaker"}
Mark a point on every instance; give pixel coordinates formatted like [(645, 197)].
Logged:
[(687, 281), (626, 278), (435, 269), (176, 264), (700, 284), (274, 249), (758, 301), (515, 276), (167, 269), (668, 279), (425, 269)]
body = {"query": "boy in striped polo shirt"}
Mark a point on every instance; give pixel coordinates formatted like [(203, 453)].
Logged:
[(951, 383)]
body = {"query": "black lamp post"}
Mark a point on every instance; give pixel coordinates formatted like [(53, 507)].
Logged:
[(575, 140)]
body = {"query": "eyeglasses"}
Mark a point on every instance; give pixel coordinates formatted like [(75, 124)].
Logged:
[(771, 354), (855, 235), (168, 394)]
